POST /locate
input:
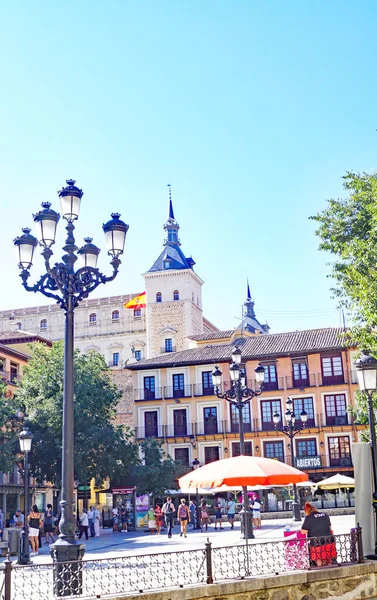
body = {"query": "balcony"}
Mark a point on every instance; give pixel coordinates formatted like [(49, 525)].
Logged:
[(5, 376), (165, 351), (183, 392), (293, 383), (181, 430), (231, 427), (115, 363), (149, 432), (145, 394), (210, 428), (200, 390)]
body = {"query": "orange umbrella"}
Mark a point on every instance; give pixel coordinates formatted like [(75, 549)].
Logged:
[(244, 471)]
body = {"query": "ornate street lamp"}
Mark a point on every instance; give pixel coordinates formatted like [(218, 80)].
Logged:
[(195, 465), (239, 396), (366, 369), (68, 287), (25, 439), (291, 429)]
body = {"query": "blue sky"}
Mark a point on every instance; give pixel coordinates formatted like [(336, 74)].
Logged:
[(252, 110)]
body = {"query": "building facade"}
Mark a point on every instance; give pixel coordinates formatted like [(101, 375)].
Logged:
[(174, 399)]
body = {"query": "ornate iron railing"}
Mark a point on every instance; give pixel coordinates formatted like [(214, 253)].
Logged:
[(106, 577)]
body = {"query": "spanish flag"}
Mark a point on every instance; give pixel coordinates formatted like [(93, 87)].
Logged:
[(137, 302)]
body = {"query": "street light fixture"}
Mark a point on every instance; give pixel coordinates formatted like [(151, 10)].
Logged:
[(25, 439), (291, 429), (239, 396), (366, 369), (68, 286), (196, 465)]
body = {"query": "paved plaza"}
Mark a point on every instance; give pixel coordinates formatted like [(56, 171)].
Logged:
[(110, 545)]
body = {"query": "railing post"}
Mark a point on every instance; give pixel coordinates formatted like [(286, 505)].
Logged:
[(208, 552), (7, 578), (360, 551)]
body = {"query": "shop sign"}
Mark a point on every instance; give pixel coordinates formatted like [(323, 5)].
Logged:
[(123, 490), (308, 462)]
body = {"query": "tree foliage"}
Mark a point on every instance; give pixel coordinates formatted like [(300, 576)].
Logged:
[(9, 429), (348, 230), (102, 449), (159, 472)]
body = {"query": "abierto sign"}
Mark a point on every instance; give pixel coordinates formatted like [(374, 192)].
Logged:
[(308, 462)]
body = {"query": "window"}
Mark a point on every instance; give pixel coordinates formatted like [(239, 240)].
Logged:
[(235, 418), (115, 315), (236, 451), (274, 450), (340, 452), (178, 385), (168, 345), (138, 354), (158, 297), (149, 388), (207, 383), (270, 376), (92, 319), (43, 324), (150, 423), (115, 359), (166, 264), (305, 448), (306, 404), (137, 312), (268, 408), (182, 454), (13, 372), (176, 295), (300, 372), (336, 409), (332, 369), (180, 421), (210, 420), (211, 453)]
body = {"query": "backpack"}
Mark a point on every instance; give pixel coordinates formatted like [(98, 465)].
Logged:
[(168, 509)]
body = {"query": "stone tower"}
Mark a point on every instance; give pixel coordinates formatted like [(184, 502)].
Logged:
[(173, 296)]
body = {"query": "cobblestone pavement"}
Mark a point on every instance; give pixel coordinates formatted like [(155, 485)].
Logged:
[(110, 544)]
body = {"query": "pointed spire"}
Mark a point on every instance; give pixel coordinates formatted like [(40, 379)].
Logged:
[(171, 212), (248, 296), (249, 304)]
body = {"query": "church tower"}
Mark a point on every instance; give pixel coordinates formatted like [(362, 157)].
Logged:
[(250, 322), (173, 295)]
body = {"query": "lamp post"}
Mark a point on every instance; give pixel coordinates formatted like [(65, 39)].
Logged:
[(25, 439), (291, 429), (239, 396), (68, 287), (195, 465), (366, 369)]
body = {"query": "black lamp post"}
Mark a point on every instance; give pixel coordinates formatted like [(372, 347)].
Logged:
[(195, 465), (239, 396), (291, 429), (366, 369), (68, 287), (25, 439)]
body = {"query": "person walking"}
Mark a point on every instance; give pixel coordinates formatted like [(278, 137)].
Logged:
[(123, 518), (231, 512), (218, 515), (192, 509), (91, 521), (115, 515), (169, 509), (159, 518), (151, 520), (183, 517), (257, 523), (204, 515), (317, 525), (96, 521), (84, 523), (35, 522), (48, 524)]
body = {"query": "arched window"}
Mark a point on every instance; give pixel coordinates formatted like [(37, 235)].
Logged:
[(43, 324), (176, 295), (115, 315), (158, 297), (137, 312), (92, 319)]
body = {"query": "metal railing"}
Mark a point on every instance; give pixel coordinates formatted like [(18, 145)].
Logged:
[(104, 577), (200, 390), (146, 394), (165, 350), (184, 392)]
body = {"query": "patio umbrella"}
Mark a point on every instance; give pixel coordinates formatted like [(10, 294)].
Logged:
[(244, 471), (336, 482)]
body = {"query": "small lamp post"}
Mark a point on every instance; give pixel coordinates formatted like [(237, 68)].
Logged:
[(366, 369), (239, 396), (195, 465), (25, 439), (291, 429)]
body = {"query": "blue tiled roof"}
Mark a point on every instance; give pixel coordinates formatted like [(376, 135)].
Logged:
[(174, 254)]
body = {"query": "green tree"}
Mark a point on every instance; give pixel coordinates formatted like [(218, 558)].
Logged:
[(159, 471), (9, 429), (102, 449)]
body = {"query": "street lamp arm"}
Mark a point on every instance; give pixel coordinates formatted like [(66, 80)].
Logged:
[(44, 284), (238, 396), (290, 431)]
